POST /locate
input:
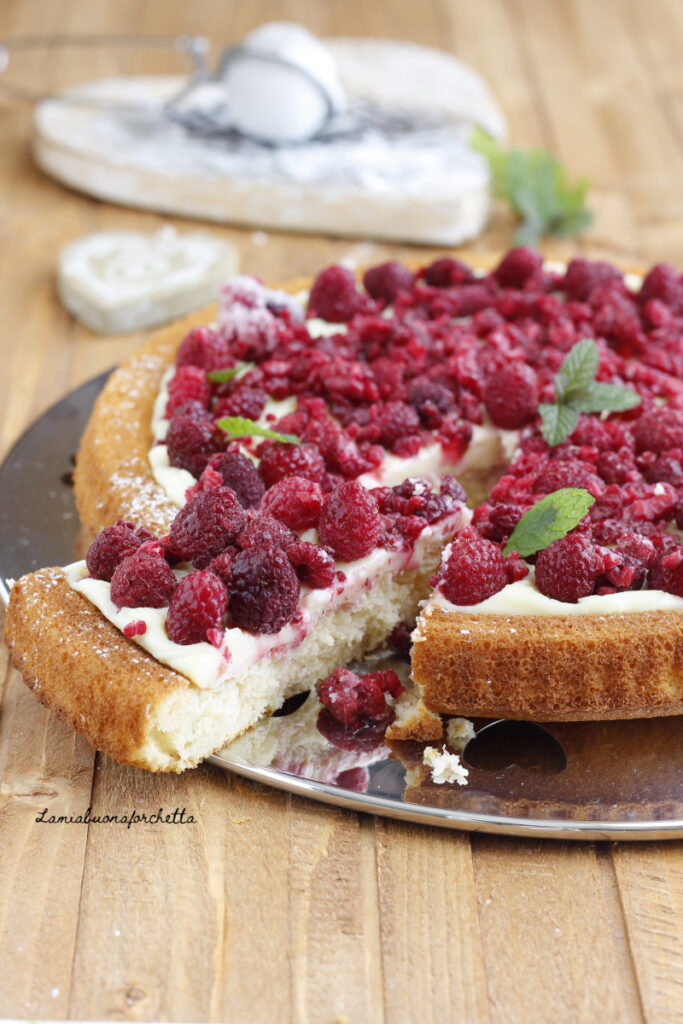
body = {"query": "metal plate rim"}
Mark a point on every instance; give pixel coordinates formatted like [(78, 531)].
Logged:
[(444, 817)]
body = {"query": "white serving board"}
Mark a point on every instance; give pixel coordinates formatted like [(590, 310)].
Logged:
[(424, 185)]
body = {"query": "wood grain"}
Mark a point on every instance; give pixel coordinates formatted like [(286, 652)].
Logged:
[(268, 908)]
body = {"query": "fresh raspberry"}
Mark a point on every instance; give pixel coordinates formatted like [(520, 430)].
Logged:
[(445, 271), (568, 569), (663, 282), (516, 568), (264, 531), (474, 569), (518, 267), (244, 401), (350, 523), (557, 474), (279, 460), (334, 296), (400, 638), (584, 276), (659, 430), (143, 579), (355, 700), (221, 565), (358, 741), (239, 472), (207, 525), (190, 443), (511, 395), (195, 410), (198, 605), (110, 547), (432, 401), (617, 467), (204, 348), (136, 628), (188, 384), (295, 501), (502, 520), (668, 468), (264, 590), (396, 421), (313, 565), (667, 573), (387, 280)]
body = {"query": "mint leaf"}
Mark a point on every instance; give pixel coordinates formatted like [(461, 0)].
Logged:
[(605, 398), (580, 365), (221, 376), (578, 391), (548, 520), (240, 426), (558, 422), (538, 189)]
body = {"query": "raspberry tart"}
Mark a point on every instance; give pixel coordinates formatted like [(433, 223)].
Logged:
[(270, 494)]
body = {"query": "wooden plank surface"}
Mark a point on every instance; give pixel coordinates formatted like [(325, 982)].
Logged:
[(268, 908)]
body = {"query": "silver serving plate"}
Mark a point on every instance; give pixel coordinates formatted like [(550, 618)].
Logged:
[(602, 780)]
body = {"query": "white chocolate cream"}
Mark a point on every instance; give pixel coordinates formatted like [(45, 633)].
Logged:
[(524, 598), (209, 666)]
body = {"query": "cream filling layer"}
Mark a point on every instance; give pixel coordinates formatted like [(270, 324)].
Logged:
[(524, 598), (207, 666)]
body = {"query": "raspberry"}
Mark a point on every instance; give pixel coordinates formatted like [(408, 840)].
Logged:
[(204, 348), (244, 401), (584, 276), (280, 460), (295, 501), (239, 473), (358, 741), (663, 283), (432, 401), (207, 525), (355, 701), (195, 410), (669, 578), (188, 384), (264, 531), (334, 296), (518, 267), (350, 523), (136, 628), (557, 474), (110, 547), (659, 430), (400, 639), (197, 606), (668, 468), (387, 280), (143, 579), (396, 420), (617, 467), (568, 568), (474, 569), (264, 590), (444, 272), (502, 521), (511, 395), (221, 565), (313, 565), (190, 443)]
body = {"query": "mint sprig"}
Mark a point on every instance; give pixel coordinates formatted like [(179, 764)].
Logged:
[(222, 376), (240, 426), (578, 391), (538, 189), (548, 520)]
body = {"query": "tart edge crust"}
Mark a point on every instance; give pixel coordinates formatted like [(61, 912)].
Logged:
[(550, 668)]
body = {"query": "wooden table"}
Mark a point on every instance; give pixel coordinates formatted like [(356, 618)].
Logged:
[(270, 908)]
